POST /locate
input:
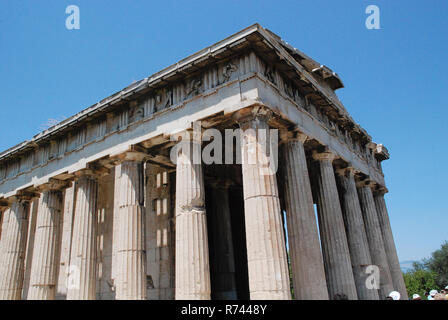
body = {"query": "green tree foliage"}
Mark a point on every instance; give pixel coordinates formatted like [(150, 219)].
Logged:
[(438, 263), (430, 274), (420, 280)]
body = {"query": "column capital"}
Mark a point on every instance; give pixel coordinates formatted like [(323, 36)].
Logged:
[(292, 136), (366, 182), (54, 185), (323, 156), (4, 203), (346, 172), (380, 190), (24, 196), (131, 156), (86, 173), (245, 116), (94, 171)]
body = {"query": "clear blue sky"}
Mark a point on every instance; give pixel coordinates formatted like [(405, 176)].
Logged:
[(395, 78)]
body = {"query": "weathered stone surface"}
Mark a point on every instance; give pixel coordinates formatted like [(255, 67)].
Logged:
[(131, 278), (44, 267), (266, 250), (32, 219), (356, 234), (375, 238), (5, 219), (4, 227), (83, 267), (95, 245), (338, 267), (389, 246), (308, 272), (14, 245), (66, 241), (106, 288), (192, 256)]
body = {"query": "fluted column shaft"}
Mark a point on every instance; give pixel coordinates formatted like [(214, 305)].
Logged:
[(192, 256), (375, 239), (44, 266), (5, 218), (131, 276), (338, 268), (266, 250), (308, 271), (356, 235), (13, 247), (3, 222), (389, 245), (224, 260), (82, 274)]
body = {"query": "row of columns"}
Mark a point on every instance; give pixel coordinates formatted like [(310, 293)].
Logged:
[(356, 236), (354, 230), (343, 267), (82, 272), (308, 274), (338, 268)]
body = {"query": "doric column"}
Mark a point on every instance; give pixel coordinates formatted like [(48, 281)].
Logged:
[(4, 220), (356, 234), (307, 267), (192, 257), (389, 244), (32, 219), (375, 237), (82, 270), (266, 250), (44, 264), (66, 241), (131, 275), (224, 261), (338, 268), (13, 247)]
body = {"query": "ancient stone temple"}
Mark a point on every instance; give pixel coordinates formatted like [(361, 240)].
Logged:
[(99, 206)]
